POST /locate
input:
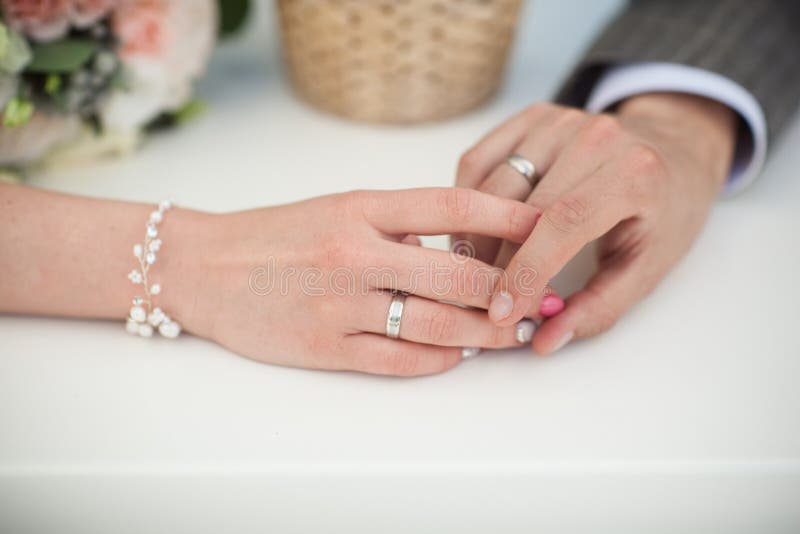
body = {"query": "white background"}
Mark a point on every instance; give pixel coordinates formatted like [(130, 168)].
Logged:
[(685, 417)]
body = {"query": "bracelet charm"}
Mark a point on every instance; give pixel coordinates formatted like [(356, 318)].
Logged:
[(143, 317)]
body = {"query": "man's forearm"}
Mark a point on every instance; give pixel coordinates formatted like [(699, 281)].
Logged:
[(757, 52)]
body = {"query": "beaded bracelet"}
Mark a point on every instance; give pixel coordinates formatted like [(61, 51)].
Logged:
[(143, 317)]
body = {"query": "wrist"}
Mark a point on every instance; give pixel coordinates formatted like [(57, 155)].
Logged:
[(184, 269), (706, 129)]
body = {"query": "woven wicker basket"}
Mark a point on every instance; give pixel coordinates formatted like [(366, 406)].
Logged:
[(397, 60)]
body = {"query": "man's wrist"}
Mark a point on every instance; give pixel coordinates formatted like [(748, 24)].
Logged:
[(708, 128)]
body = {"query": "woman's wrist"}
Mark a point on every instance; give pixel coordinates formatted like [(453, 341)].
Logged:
[(186, 268)]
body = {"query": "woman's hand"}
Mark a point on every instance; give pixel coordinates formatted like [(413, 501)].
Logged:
[(309, 284), (642, 180)]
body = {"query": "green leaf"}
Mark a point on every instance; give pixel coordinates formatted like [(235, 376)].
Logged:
[(66, 55), (190, 110), (52, 84), (18, 112), (14, 51), (232, 15)]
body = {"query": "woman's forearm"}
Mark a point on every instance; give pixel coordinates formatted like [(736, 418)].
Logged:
[(293, 284), (68, 255)]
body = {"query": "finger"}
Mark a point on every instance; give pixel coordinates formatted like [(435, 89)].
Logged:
[(596, 308), (376, 354), (432, 274), (411, 239), (542, 145), (571, 222), (504, 255), (435, 323), (477, 162), (502, 182), (566, 157), (446, 210)]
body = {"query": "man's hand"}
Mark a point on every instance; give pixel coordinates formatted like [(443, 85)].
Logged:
[(642, 180)]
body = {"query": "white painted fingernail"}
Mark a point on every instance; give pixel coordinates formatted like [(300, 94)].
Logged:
[(525, 330), (563, 341), (501, 306), (470, 352)]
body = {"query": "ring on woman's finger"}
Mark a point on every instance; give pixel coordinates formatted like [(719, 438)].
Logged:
[(524, 167), (395, 314)]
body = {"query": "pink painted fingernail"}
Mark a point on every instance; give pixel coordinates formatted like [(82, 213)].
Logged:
[(501, 306), (551, 305)]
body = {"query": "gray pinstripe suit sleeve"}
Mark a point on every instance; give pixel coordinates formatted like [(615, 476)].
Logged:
[(755, 43)]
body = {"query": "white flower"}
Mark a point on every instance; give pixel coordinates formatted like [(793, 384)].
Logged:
[(164, 47), (135, 277), (88, 146), (31, 141), (8, 88)]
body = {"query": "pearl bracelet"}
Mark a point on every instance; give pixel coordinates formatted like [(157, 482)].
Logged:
[(143, 317)]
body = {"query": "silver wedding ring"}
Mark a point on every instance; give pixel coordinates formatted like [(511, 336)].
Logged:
[(523, 166), (395, 315)]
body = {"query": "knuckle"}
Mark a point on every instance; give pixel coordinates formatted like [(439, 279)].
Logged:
[(539, 109), (456, 204), (468, 164), (355, 203), (497, 337), (353, 198), (601, 129), (521, 220), (645, 158), (441, 326), (569, 115), (403, 362), (646, 169), (334, 253), (475, 279), (567, 214)]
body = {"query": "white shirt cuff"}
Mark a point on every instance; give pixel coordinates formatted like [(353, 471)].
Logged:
[(625, 81)]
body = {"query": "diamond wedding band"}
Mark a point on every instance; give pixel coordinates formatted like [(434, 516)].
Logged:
[(395, 315)]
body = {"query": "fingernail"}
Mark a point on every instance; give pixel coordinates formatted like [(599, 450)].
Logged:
[(469, 352), (551, 305), (501, 306), (525, 330), (563, 341)]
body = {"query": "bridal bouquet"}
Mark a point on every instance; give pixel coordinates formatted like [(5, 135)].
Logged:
[(92, 75)]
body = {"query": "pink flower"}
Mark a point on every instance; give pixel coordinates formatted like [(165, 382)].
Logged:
[(141, 27), (47, 20), (164, 46), (43, 20), (86, 12)]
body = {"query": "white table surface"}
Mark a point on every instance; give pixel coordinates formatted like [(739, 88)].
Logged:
[(685, 417)]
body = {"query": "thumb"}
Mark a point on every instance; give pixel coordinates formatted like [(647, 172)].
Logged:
[(596, 308)]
